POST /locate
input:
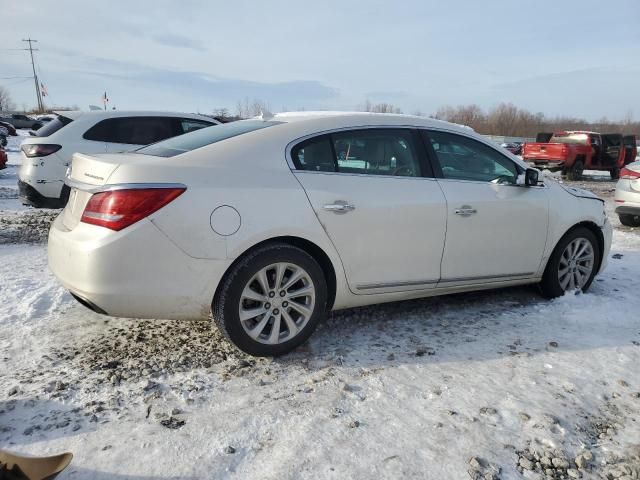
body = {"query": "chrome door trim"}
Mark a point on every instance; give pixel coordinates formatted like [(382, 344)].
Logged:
[(488, 277), (416, 283), (89, 188)]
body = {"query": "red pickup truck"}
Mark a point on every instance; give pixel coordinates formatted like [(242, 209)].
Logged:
[(574, 151)]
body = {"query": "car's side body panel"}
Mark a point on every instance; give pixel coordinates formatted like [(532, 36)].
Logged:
[(505, 237), (252, 176)]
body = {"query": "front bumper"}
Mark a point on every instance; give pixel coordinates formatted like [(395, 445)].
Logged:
[(137, 272), (607, 234)]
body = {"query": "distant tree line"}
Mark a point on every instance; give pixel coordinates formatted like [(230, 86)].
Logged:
[(508, 120)]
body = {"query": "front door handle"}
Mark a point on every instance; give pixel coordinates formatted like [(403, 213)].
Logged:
[(339, 206), (465, 211)]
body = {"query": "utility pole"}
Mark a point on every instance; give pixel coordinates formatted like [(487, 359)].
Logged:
[(35, 77)]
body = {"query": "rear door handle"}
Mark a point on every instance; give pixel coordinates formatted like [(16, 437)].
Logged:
[(465, 211), (339, 206)]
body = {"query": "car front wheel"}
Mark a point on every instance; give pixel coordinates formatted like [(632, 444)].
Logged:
[(572, 265), (271, 301)]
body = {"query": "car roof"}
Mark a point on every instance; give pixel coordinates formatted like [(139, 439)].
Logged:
[(364, 118), (102, 114)]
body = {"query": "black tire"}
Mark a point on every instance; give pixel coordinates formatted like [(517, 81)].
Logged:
[(64, 195), (615, 173), (629, 220), (550, 284), (575, 172), (226, 303)]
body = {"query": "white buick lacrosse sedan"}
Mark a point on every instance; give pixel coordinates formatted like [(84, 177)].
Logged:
[(271, 222)]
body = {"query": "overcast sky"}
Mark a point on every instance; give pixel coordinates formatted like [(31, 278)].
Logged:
[(570, 57)]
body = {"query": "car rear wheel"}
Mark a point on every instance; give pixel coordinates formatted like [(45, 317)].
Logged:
[(629, 220), (615, 173), (573, 264), (271, 301), (575, 172)]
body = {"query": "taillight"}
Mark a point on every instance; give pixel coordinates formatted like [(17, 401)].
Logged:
[(117, 209), (40, 149), (628, 174)]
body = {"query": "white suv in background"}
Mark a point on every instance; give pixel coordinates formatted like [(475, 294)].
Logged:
[(47, 155)]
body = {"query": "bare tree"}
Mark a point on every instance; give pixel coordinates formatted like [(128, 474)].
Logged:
[(378, 107), (6, 103), (248, 109)]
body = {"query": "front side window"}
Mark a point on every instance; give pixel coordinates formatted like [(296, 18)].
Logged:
[(369, 151), (462, 158)]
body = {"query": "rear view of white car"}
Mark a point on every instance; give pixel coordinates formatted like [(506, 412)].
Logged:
[(269, 223), (628, 195), (47, 155)]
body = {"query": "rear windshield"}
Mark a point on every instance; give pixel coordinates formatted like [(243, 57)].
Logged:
[(53, 126), (203, 137), (580, 138)]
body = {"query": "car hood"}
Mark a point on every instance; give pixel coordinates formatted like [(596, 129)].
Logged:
[(581, 193)]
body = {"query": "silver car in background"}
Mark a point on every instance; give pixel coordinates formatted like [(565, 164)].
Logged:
[(628, 195)]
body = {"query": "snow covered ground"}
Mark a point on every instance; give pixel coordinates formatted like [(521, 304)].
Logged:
[(463, 386)]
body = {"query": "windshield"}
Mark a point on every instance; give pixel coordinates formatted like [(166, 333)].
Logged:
[(580, 138), (53, 126), (203, 137)]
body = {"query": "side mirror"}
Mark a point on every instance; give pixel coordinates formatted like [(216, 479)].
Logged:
[(531, 177)]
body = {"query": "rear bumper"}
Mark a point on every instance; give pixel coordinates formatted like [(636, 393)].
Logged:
[(628, 209), (45, 176), (137, 272), (30, 196)]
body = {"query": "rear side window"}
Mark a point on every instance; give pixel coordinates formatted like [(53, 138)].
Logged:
[(53, 126), (376, 151), (203, 137), (315, 155), (188, 125), (132, 130)]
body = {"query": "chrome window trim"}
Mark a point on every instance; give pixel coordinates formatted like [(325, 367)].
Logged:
[(397, 177), (519, 163), (480, 182), (89, 188)]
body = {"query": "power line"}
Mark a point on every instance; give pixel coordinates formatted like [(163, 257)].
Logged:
[(35, 77)]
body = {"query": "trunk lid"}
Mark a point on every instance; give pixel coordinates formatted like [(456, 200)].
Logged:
[(93, 169)]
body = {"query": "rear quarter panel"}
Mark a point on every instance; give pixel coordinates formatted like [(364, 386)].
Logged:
[(250, 176)]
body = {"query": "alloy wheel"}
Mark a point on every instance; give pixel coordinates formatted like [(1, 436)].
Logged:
[(277, 303), (576, 264)]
